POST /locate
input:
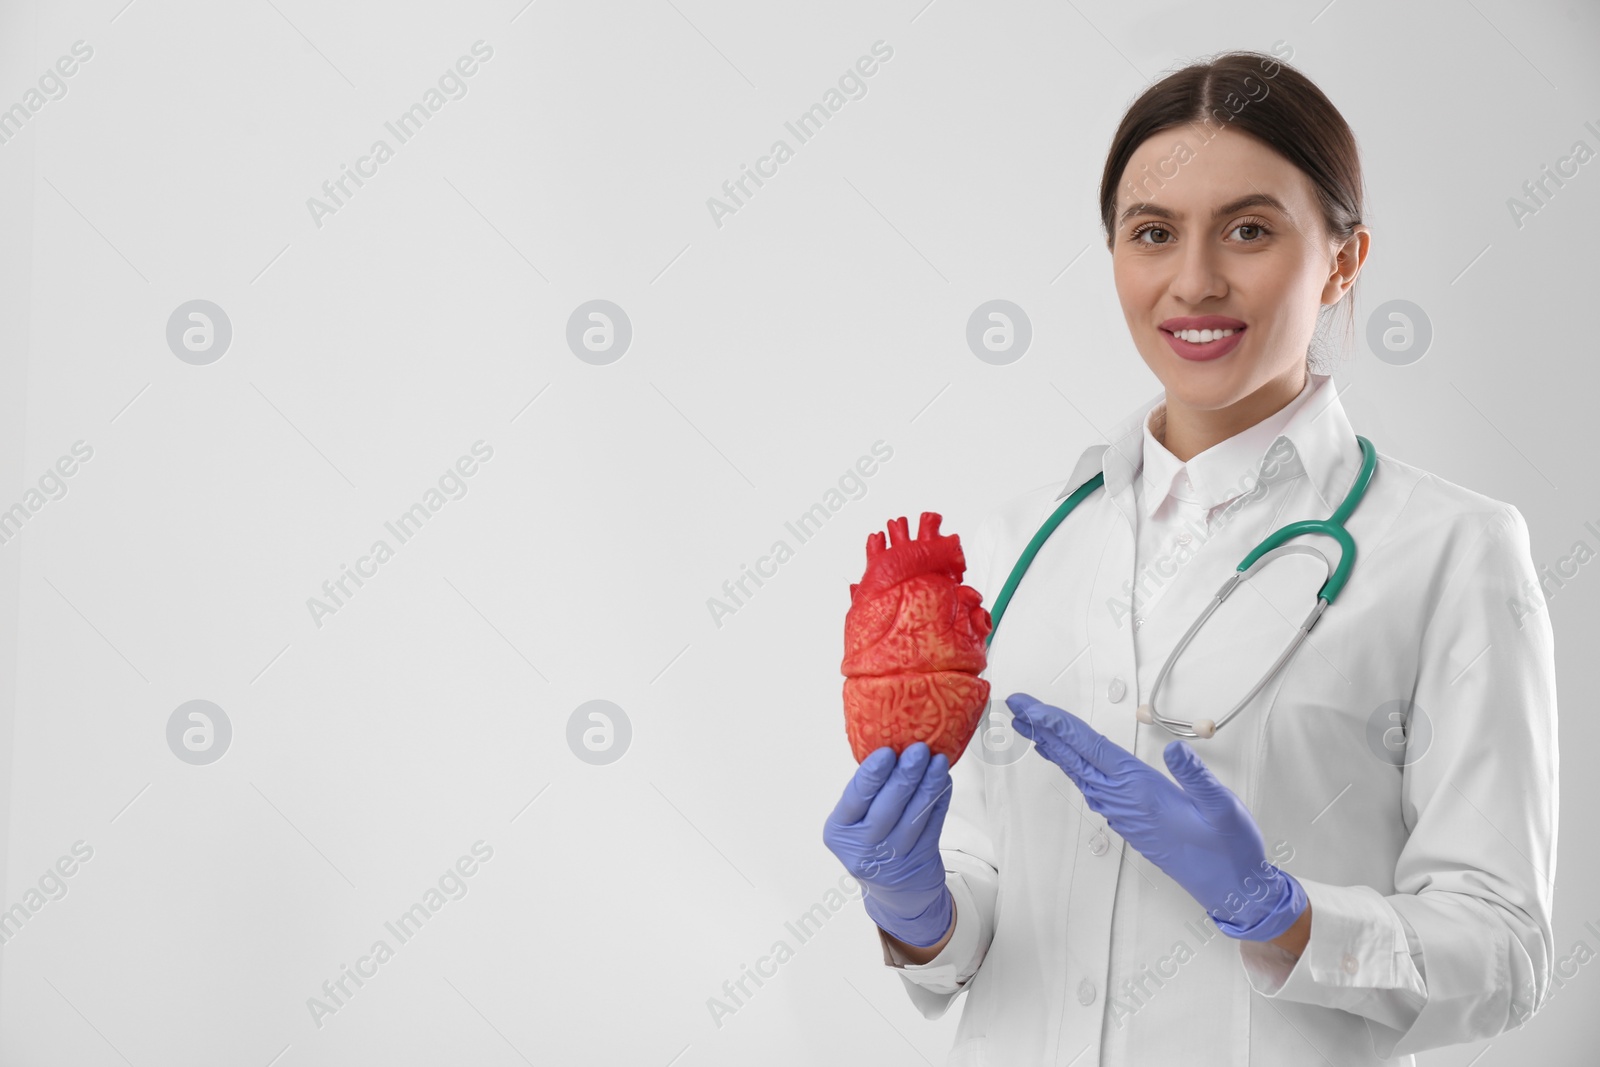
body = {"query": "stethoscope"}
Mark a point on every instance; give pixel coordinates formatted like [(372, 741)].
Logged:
[(1267, 550)]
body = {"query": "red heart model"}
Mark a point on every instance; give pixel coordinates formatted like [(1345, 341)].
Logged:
[(914, 645)]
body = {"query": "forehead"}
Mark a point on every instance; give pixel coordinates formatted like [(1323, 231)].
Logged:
[(1195, 168)]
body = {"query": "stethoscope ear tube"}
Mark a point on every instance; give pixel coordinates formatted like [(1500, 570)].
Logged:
[(1332, 526), (1026, 560), (1275, 545)]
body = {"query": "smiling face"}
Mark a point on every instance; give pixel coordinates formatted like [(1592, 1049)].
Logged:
[(1235, 239)]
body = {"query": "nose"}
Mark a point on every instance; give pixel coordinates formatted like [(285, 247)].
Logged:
[(1198, 278)]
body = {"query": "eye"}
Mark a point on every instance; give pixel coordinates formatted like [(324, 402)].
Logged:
[(1150, 227), (1253, 224)]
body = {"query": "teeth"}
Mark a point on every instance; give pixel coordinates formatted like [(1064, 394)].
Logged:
[(1201, 337)]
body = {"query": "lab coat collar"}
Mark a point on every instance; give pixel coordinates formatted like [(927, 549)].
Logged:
[(1119, 457), (1323, 444)]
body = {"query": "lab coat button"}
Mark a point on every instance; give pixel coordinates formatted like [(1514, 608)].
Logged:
[(1117, 690), (1138, 624), (1185, 537), (1098, 845), (1349, 964), (1086, 992)]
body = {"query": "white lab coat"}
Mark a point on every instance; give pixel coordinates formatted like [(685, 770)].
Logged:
[(1428, 856)]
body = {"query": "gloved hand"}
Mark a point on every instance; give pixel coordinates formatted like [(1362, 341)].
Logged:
[(885, 830), (1201, 835)]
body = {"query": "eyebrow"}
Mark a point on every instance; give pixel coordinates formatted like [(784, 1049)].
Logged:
[(1251, 200)]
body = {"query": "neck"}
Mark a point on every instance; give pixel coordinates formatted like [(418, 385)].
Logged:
[(1187, 431)]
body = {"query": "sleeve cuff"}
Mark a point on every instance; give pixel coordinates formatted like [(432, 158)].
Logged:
[(1357, 946), (955, 963)]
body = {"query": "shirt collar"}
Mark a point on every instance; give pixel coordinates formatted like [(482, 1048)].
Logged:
[(1225, 470), (1323, 446)]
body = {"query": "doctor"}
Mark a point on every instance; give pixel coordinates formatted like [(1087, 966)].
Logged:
[(1360, 864)]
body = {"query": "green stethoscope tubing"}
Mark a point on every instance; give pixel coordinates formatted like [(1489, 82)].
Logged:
[(1275, 543)]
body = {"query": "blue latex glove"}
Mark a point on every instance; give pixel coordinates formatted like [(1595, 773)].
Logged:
[(1201, 834), (885, 830)]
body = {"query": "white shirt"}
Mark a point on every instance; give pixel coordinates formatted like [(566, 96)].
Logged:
[(1428, 856), (1175, 501)]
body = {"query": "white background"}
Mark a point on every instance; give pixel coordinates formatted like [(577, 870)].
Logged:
[(430, 311)]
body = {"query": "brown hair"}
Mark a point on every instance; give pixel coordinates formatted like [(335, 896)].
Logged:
[(1269, 100)]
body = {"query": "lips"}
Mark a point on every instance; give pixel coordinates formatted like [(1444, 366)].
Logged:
[(1203, 351)]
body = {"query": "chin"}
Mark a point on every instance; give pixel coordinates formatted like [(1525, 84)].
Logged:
[(1201, 385)]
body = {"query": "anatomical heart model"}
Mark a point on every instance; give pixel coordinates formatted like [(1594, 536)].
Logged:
[(914, 645)]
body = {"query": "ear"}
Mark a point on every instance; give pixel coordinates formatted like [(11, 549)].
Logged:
[(1346, 264)]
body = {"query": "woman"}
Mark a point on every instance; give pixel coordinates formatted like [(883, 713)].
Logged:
[(1375, 829)]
